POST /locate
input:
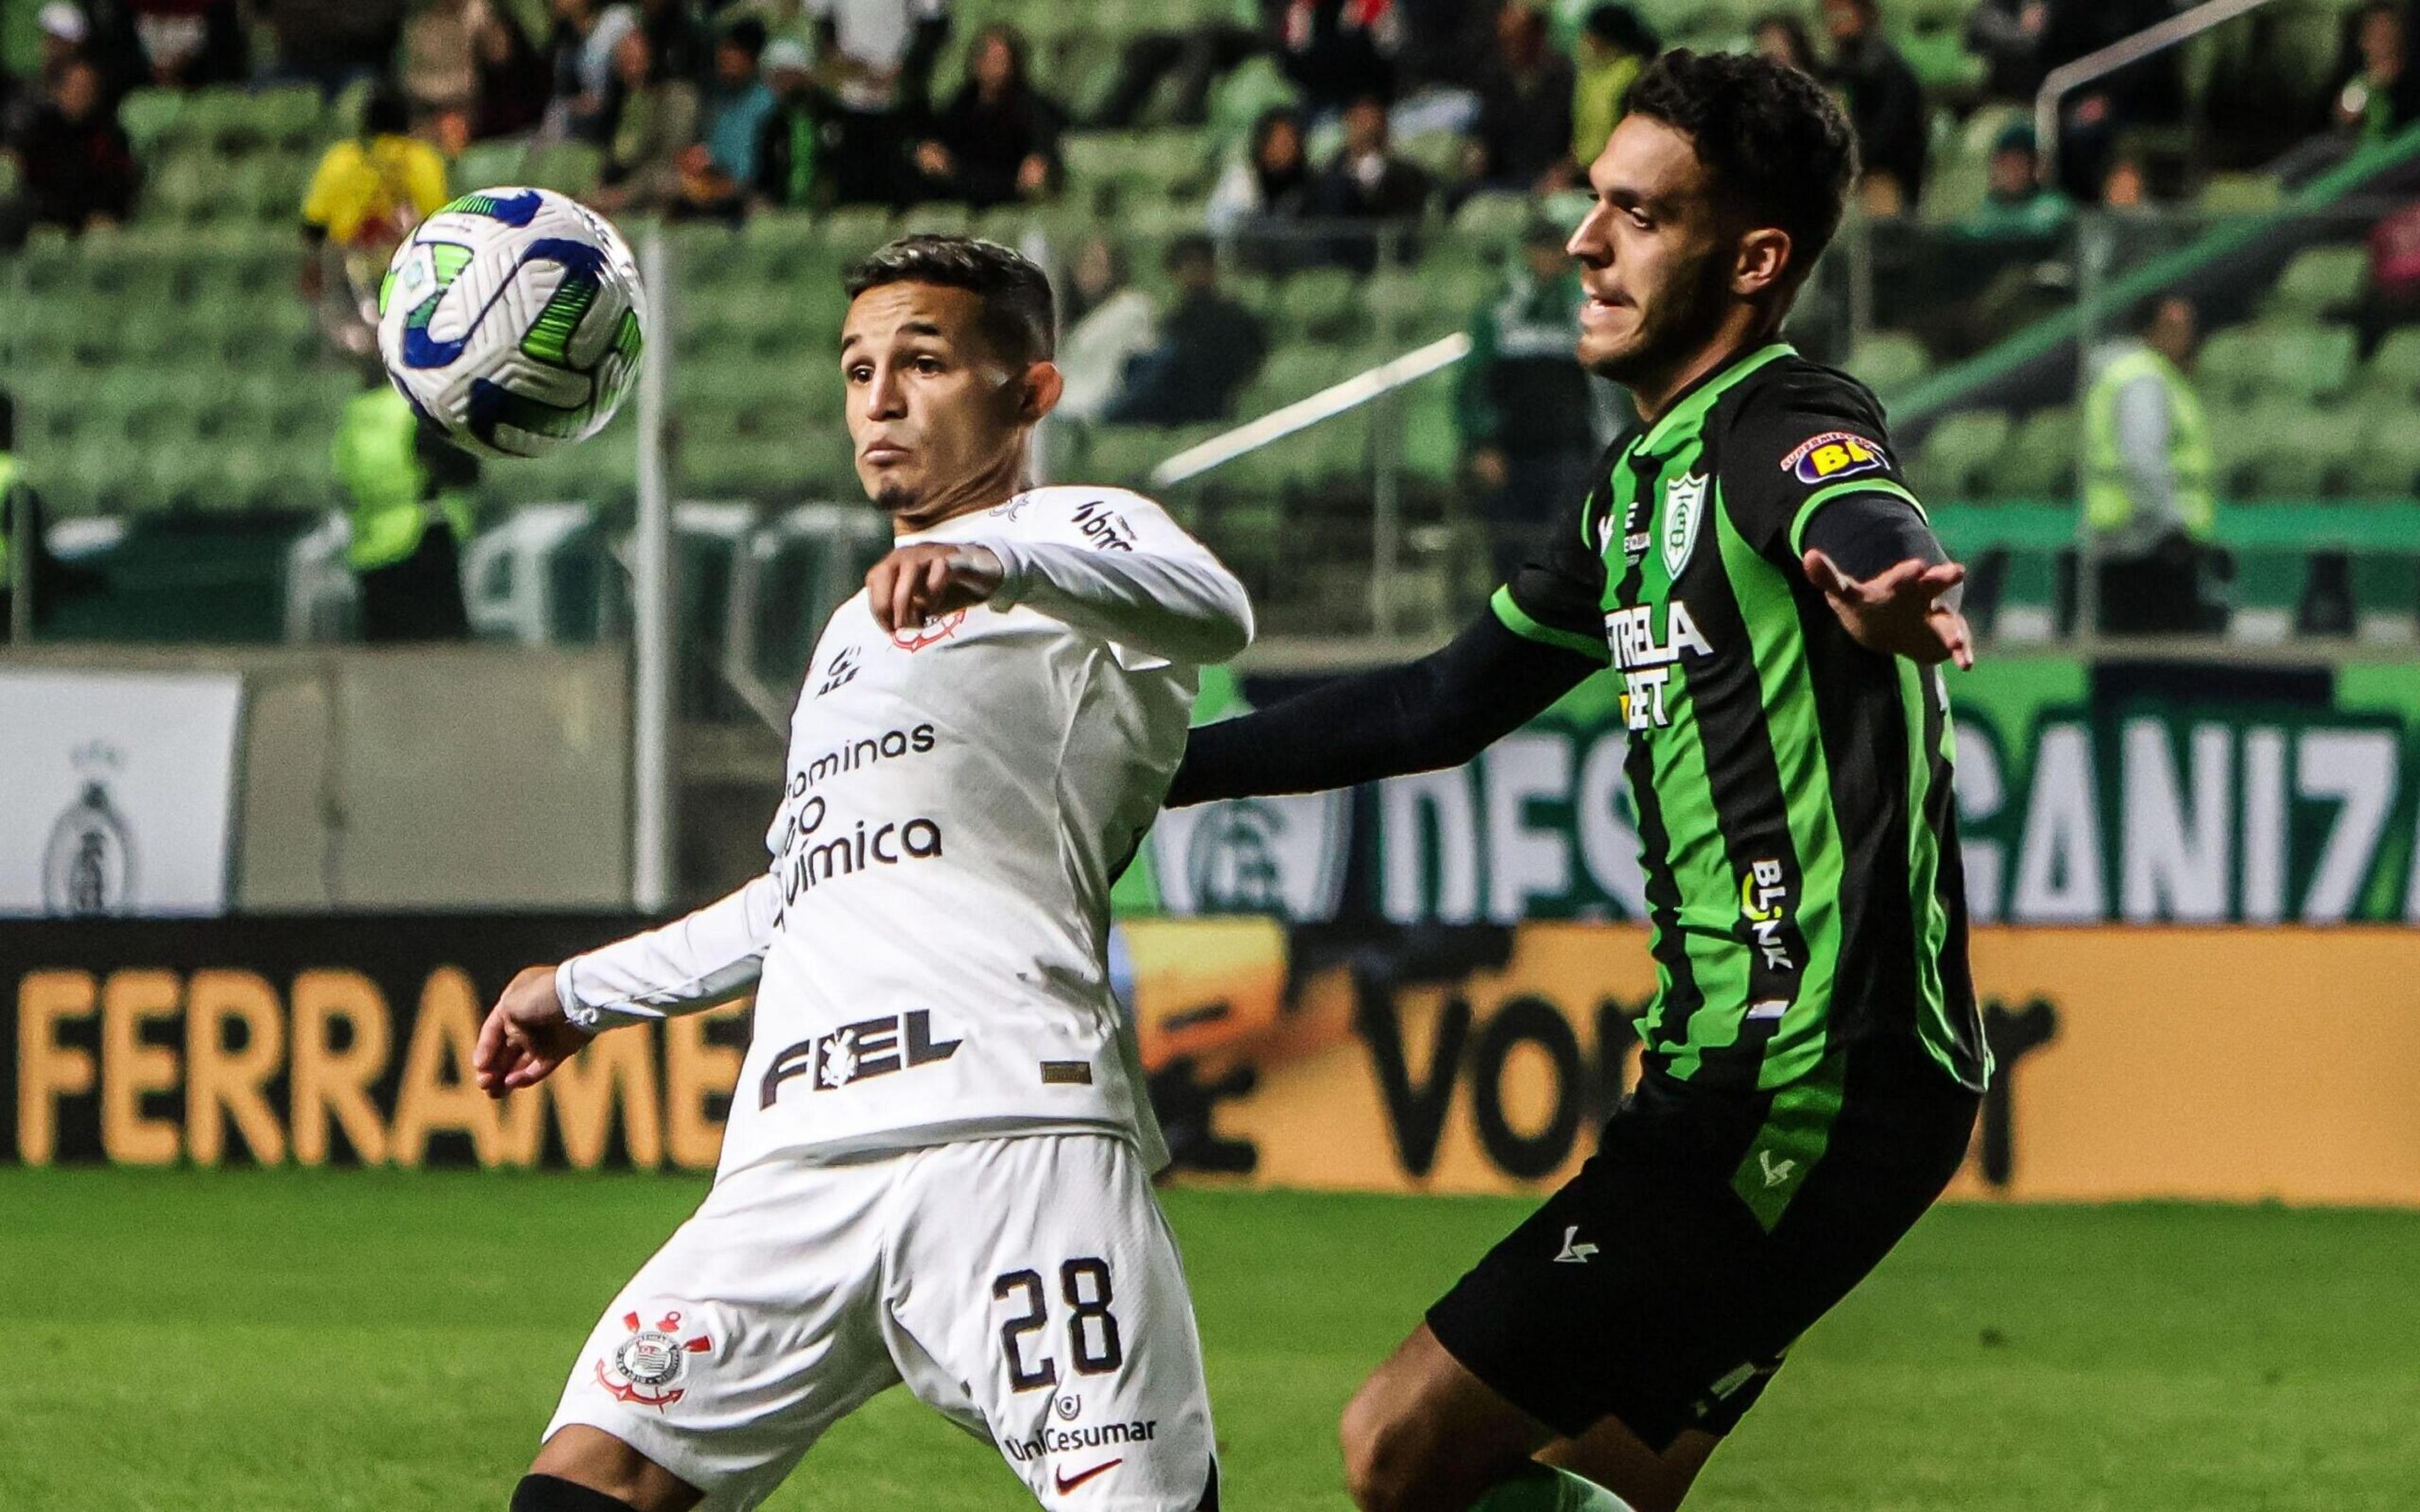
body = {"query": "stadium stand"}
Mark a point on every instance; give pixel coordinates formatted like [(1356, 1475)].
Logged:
[(168, 367)]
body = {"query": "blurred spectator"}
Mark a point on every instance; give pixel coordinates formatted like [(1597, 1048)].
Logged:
[(333, 42), (1523, 402), (2017, 204), (439, 68), (1614, 48), (2007, 36), (367, 194), (2126, 186), (76, 168), (513, 78), (1261, 199), (1444, 45), (875, 59), (408, 495), (2149, 467), (580, 53), (64, 32), (1339, 50), (1782, 38), (678, 42), (789, 150), (186, 43), (2150, 92), (1197, 58), (1108, 321), (655, 123), (998, 142), (1885, 106), (2392, 295), (717, 172), (2381, 95), (1523, 138), (1209, 347), (1366, 181)]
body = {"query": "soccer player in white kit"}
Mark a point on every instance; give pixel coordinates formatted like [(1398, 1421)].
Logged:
[(938, 1166)]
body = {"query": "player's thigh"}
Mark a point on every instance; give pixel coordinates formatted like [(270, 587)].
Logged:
[(1424, 1433), (1038, 1299), (754, 1329)]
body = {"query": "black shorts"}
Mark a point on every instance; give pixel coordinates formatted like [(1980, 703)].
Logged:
[(1662, 1285)]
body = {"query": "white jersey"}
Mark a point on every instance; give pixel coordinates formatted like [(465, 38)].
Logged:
[(930, 946)]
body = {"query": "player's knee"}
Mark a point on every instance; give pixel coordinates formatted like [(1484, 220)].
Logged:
[(549, 1493)]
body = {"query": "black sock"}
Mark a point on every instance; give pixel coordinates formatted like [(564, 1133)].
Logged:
[(551, 1494)]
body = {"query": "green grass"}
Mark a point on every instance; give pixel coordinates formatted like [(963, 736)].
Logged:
[(388, 1342)]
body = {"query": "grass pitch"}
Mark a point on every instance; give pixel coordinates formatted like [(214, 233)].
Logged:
[(392, 1342)]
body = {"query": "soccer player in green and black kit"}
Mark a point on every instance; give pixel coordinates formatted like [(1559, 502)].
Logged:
[(1752, 567)]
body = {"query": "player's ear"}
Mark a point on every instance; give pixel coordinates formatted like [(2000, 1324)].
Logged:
[(1041, 388), (1764, 260)]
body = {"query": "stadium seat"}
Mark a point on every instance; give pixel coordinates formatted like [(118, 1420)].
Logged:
[(2275, 360), (2394, 367), (1320, 301), (2039, 459), (1493, 219), (288, 116), (2387, 597), (149, 116), (2268, 584), (1957, 459), (490, 165), (2299, 453), (568, 167), (1291, 373), (1887, 360), (2319, 283), (2027, 607), (2386, 463)]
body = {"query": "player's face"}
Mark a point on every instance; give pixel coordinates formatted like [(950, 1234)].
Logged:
[(933, 413), (1654, 254)]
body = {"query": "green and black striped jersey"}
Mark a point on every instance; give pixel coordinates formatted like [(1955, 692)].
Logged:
[(1792, 788)]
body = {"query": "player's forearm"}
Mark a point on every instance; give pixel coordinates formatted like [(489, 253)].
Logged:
[(1184, 605), (693, 962), (1439, 711)]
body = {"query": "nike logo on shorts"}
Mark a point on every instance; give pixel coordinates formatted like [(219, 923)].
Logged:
[(1067, 1483)]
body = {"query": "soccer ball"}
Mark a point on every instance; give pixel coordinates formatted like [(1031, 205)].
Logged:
[(513, 317)]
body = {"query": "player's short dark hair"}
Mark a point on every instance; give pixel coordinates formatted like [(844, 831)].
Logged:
[(1775, 142), (1019, 319)]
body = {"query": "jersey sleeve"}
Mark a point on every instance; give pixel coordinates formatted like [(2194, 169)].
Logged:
[(1556, 597), (695, 961), (1114, 565), (1811, 437)]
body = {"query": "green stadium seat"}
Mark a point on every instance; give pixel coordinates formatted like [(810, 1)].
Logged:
[(1320, 301), (936, 219), (851, 231), (567, 167), (2278, 360), (2027, 609), (1239, 99), (1291, 373), (2040, 461), (2269, 583), (2319, 283), (2386, 464), (2394, 367), (2387, 597), (490, 166), (149, 116), (1124, 454), (2300, 454), (1958, 458), (1886, 361), (1493, 219)]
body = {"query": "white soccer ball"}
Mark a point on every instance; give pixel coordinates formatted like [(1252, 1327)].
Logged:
[(513, 318)]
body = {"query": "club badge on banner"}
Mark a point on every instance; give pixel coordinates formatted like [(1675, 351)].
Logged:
[(121, 791)]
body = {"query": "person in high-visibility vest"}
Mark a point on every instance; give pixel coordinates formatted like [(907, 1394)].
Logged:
[(2147, 473), (409, 492), (48, 579)]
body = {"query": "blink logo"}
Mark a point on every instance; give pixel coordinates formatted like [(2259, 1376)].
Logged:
[(855, 1052)]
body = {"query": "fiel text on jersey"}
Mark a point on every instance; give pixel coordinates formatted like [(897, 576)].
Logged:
[(857, 1052)]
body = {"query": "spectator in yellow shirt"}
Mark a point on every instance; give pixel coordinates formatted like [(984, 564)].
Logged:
[(1614, 48), (367, 194)]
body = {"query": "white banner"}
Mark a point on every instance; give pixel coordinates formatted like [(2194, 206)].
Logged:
[(120, 791)]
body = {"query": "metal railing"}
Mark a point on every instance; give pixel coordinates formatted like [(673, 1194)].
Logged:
[(2125, 51)]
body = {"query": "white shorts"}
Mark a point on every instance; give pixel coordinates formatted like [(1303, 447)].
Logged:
[(1027, 1287)]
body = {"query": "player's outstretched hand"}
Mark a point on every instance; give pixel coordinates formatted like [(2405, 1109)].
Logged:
[(917, 584), (526, 1035), (1898, 610)]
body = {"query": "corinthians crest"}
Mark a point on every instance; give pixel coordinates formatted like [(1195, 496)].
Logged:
[(647, 1367), (1685, 505), (88, 865)]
